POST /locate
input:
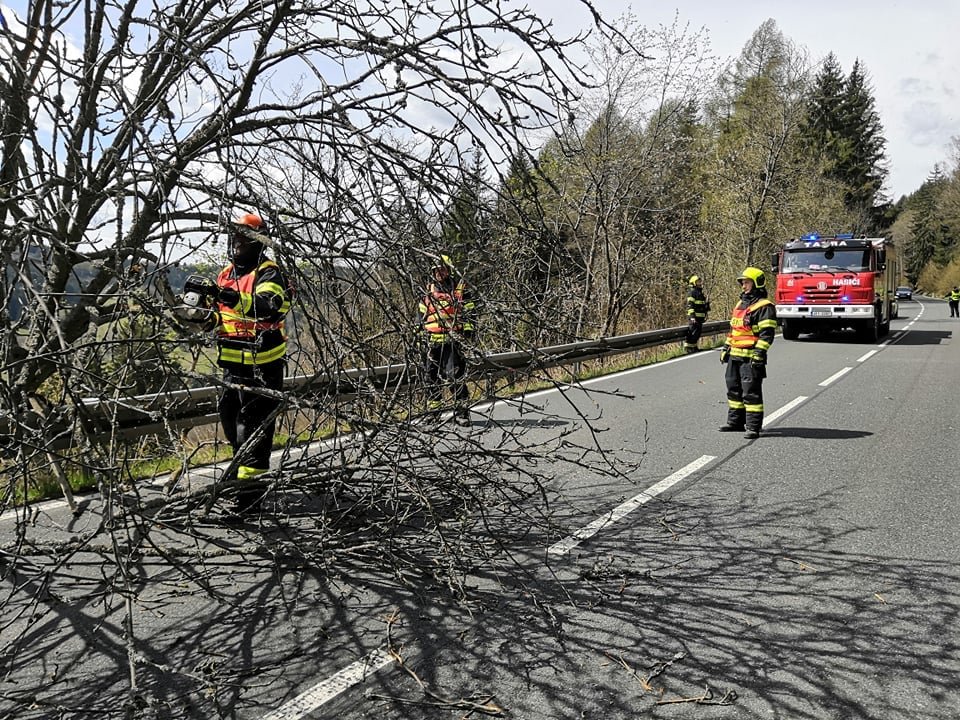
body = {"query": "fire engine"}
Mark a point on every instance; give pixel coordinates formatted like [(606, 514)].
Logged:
[(834, 282)]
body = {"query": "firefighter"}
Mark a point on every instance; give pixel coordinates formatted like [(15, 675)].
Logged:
[(251, 299), (697, 308), (752, 328), (447, 317), (953, 298)]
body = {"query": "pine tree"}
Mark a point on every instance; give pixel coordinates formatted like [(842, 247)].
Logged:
[(465, 224), (843, 127), (863, 166), (824, 119), (928, 243)]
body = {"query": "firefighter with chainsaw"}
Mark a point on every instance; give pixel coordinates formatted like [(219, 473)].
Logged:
[(697, 308), (447, 317), (752, 329), (248, 303)]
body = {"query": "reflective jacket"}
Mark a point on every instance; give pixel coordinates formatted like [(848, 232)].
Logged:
[(954, 295), (752, 326), (251, 332), (697, 304), (446, 310)]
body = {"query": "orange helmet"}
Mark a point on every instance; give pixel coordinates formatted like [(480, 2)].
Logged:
[(250, 238), (252, 226)]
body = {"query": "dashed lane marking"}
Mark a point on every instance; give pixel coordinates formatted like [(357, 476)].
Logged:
[(326, 690), (624, 509), (772, 417), (836, 376)]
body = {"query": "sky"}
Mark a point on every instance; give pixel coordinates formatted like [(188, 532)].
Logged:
[(910, 50)]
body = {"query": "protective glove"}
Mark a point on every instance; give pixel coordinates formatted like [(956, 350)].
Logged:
[(691, 320), (724, 354), (228, 296), (759, 357)]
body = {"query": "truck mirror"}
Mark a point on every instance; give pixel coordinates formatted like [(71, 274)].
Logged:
[(881, 259), (775, 262)]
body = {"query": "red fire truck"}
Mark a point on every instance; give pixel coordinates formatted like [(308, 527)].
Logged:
[(834, 282)]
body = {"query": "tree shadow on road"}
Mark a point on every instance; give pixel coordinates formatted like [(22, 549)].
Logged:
[(755, 611)]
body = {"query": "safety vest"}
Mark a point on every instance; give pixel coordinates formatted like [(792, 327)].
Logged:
[(445, 312), (241, 338), (954, 295), (743, 336)]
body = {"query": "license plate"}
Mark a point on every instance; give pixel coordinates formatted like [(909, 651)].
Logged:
[(822, 313)]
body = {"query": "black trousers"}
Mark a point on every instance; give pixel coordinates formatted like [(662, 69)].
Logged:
[(445, 361), (954, 308), (694, 330), (745, 394), (242, 412)]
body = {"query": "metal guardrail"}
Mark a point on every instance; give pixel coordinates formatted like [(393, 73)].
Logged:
[(148, 414)]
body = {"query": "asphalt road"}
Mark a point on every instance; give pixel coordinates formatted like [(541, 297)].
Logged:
[(686, 573)]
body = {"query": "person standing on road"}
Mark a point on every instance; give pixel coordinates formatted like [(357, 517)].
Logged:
[(953, 298), (252, 297), (697, 308), (447, 317), (752, 329)]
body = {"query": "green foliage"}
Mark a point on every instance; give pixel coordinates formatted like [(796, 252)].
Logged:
[(843, 128), (765, 185), (930, 239)]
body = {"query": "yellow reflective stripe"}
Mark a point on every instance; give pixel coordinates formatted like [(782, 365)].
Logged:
[(763, 345), (754, 408), (735, 404), (270, 287), (248, 357), (246, 303), (245, 472), (766, 324)]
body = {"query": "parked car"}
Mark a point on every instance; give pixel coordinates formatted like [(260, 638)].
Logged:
[(904, 293)]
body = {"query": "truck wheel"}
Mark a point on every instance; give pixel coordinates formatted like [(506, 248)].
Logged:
[(790, 331)]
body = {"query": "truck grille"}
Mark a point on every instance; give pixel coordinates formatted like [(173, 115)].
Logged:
[(813, 294)]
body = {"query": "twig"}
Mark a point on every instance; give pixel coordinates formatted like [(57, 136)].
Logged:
[(706, 699), (486, 707)]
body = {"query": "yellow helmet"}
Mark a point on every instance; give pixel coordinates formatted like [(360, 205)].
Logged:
[(755, 275), (443, 262), (693, 279)]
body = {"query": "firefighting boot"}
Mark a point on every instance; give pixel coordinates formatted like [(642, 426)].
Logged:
[(249, 498)]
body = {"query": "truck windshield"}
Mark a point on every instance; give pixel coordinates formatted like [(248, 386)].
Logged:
[(832, 259)]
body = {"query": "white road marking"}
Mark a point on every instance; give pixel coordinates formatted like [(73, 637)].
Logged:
[(325, 690), (869, 355), (836, 376), (624, 509), (784, 410)]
